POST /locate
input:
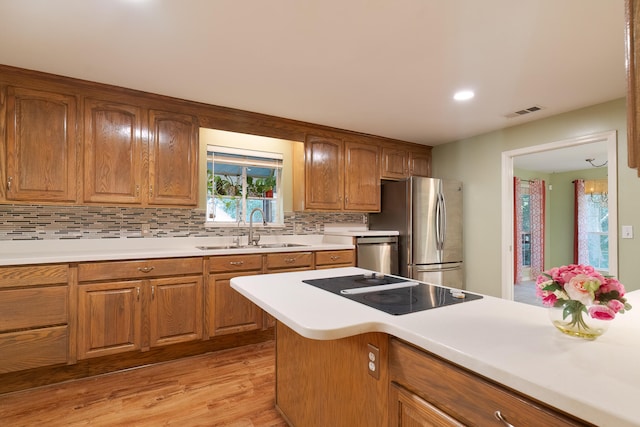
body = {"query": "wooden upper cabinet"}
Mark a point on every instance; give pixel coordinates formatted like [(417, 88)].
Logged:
[(112, 152), (41, 145), (362, 177), (420, 163), (173, 159), (395, 163), (402, 162), (324, 173)]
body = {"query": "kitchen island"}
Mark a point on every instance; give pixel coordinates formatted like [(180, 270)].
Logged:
[(509, 343)]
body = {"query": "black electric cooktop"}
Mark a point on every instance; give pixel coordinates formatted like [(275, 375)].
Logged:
[(405, 297)]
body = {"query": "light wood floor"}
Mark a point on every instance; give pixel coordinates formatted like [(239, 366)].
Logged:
[(233, 387)]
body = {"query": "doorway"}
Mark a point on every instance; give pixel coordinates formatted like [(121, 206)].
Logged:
[(572, 151)]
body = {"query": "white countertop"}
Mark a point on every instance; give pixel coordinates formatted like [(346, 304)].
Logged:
[(512, 343), (78, 250), (355, 230)]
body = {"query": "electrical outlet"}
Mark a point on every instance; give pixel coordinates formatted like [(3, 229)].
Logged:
[(145, 230), (373, 361)]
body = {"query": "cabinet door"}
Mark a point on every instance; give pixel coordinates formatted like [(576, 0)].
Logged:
[(112, 152), (362, 177), (175, 312), (420, 163), (173, 159), (109, 318), (409, 410), (41, 146), (395, 163), (324, 172), (229, 311)]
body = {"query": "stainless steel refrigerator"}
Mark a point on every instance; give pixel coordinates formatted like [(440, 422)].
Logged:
[(427, 212)]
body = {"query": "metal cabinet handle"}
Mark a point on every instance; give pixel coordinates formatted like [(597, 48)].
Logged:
[(151, 191), (502, 419), (145, 269), (236, 262), (138, 293), (9, 181), (334, 257), (153, 292), (289, 260), (137, 190)]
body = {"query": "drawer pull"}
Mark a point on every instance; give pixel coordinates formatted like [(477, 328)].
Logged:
[(500, 418), (236, 262), (334, 257), (289, 260), (145, 269)]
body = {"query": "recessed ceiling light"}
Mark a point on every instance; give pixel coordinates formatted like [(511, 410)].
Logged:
[(463, 95)]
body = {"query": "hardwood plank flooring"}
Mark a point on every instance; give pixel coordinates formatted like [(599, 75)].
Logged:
[(234, 387)]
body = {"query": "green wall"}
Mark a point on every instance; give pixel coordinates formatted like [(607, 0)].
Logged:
[(477, 162)]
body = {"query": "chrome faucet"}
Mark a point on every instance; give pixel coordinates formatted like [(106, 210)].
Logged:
[(255, 240)]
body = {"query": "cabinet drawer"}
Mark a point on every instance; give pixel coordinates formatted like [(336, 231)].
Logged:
[(33, 307), (14, 277), (463, 395), (33, 348), (226, 263), (334, 257), (289, 260), (139, 269)]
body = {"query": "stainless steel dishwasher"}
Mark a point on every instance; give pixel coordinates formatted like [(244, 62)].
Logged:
[(378, 253)]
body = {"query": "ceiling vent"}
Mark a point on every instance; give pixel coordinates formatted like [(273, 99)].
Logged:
[(524, 111)]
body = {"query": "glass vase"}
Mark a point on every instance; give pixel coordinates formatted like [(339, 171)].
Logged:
[(574, 320)]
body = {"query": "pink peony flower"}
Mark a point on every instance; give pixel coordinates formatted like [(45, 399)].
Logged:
[(581, 287), (601, 312), (612, 284), (615, 305)]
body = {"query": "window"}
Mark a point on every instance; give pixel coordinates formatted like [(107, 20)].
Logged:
[(238, 181), (597, 232)]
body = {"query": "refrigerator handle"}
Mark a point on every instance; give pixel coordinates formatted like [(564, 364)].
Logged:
[(443, 221)]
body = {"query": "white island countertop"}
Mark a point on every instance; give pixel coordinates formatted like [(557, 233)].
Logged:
[(512, 343), (23, 252)]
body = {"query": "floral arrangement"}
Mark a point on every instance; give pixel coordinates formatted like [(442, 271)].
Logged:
[(580, 289)]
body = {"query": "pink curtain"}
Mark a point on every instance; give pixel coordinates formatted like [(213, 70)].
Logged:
[(580, 247), (517, 231), (537, 207)]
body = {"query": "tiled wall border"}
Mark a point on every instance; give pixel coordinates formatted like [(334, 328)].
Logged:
[(44, 222)]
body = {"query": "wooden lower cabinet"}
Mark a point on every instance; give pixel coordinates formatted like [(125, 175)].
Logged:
[(34, 317), (228, 311), (335, 259), (428, 391), (109, 316), (129, 305), (407, 409), (175, 312)]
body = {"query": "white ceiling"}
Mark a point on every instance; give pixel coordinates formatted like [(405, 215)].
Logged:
[(564, 159), (384, 67)]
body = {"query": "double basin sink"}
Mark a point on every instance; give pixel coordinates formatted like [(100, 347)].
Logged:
[(263, 246)]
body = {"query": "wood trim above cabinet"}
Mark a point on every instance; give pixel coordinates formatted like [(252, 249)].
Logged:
[(632, 29)]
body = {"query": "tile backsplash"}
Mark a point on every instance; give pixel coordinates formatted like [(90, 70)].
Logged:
[(44, 222)]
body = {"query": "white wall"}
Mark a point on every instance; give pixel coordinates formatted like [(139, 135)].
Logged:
[(477, 162)]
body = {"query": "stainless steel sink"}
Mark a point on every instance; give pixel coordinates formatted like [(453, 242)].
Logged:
[(263, 246), (214, 247), (280, 245)]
